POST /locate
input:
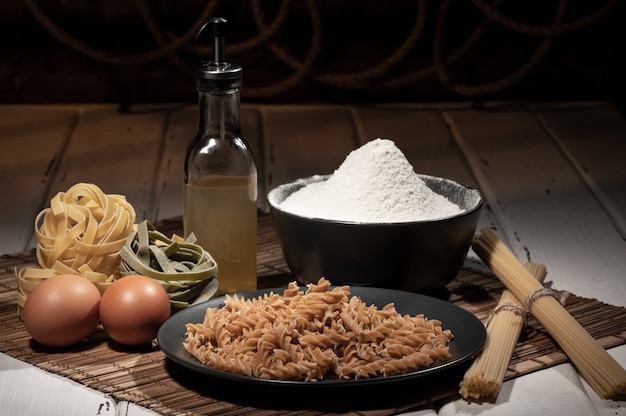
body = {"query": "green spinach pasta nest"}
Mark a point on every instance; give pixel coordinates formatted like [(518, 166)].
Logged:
[(186, 271)]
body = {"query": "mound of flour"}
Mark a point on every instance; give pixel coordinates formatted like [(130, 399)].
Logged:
[(374, 184)]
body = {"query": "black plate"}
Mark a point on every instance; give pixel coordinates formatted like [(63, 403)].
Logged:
[(469, 337)]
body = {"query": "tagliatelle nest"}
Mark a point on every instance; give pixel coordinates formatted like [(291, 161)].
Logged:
[(184, 269), (83, 232)]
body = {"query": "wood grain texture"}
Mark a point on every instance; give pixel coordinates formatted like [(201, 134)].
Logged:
[(32, 144), (594, 141), (542, 203), (301, 141), (553, 176)]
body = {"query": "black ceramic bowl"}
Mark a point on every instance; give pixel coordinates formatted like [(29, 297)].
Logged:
[(418, 256)]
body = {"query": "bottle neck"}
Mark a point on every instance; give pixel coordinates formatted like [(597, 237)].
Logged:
[(219, 113)]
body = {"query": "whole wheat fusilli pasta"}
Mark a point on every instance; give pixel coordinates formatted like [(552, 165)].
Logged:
[(313, 335)]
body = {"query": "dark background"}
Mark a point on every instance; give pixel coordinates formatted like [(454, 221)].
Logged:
[(123, 51)]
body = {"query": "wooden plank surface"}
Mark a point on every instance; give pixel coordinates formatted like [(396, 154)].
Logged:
[(301, 141), (594, 140), (118, 152), (534, 191), (180, 128), (26, 390), (31, 146), (552, 174)]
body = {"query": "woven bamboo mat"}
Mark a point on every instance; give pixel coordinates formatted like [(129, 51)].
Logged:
[(144, 376)]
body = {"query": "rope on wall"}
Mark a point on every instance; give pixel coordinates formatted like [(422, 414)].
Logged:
[(381, 75)]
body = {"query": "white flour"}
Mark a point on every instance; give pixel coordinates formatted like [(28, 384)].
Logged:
[(375, 184)]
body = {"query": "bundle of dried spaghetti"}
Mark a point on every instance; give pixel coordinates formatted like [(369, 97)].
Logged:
[(486, 374), (603, 373)]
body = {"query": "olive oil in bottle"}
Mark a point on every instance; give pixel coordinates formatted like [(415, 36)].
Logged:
[(220, 194)]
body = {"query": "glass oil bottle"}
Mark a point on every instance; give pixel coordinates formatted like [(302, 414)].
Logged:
[(220, 195)]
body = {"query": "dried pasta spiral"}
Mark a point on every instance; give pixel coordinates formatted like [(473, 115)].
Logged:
[(313, 335)]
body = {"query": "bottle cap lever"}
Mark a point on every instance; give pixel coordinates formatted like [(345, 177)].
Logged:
[(217, 26), (216, 73), (218, 29)]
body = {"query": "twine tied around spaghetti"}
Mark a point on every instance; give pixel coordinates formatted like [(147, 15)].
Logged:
[(525, 309)]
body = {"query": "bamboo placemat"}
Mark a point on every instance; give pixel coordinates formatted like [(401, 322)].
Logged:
[(144, 376)]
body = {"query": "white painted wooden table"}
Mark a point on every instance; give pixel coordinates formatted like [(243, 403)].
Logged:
[(553, 175)]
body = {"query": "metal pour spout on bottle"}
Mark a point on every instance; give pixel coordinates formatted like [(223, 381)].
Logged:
[(219, 58), (220, 191)]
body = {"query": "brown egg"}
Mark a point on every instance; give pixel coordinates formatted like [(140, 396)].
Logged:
[(133, 308), (61, 310)]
